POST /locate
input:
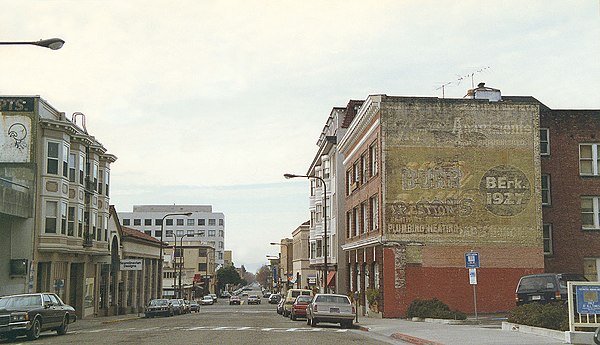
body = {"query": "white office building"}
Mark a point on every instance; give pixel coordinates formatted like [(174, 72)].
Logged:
[(203, 226)]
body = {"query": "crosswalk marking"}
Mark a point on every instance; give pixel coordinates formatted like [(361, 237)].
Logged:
[(216, 328)]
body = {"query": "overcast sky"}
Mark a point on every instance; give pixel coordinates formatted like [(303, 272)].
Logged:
[(211, 102)]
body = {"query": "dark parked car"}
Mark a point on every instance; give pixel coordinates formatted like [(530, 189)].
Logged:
[(30, 314), (159, 306), (544, 288), (330, 308), (274, 298), (178, 307)]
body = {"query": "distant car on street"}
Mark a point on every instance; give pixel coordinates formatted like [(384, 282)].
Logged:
[(266, 294), (157, 307), (253, 299), (194, 306), (214, 297), (234, 300), (274, 298), (330, 308), (31, 314), (178, 307), (207, 300)]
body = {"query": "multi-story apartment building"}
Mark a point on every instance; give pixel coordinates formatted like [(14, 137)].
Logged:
[(54, 207), (429, 180), (201, 229), (301, 269), (327, 167), (569, 142)]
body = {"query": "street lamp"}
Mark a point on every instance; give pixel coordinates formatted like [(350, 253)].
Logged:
[(325, 268), (52, 43), (162, 232)]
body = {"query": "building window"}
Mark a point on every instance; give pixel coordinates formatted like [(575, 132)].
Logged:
[(356, 221), (348, 224), (547, 237), (356, 174), (51, 217), (202, 252), (106, 181), (201, 233), (52, 162), (374, 208), (212, 222), (72, 167), (80, 222), (201, 221), (169, 233), (221, 245), (373, 158), (221, 222), (148, 232), (190, 222), (169, 222), (126, 221), (63, 217), (95, 175), (202, 267), (81, 168), (588, 159), (178, 252), (545, 189), (364, 218), (158, 222), (137, 222), (179, 222), (158, 233), (319, 248), (313, 250), (147, 222), (364, 167), (589, 213), (190, 233), (65, 161), (212, 233), (544, 141), (220, 255), (71, 222)]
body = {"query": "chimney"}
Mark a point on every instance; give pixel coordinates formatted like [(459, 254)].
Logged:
[(483, 92)]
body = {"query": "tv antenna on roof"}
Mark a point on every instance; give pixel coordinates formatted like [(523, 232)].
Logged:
[(443, 87), (461, 78)]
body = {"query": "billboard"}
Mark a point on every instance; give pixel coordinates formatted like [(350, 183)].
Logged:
[(462, 171)]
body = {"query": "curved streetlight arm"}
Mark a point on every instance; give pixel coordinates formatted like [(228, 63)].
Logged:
[(52, 43)]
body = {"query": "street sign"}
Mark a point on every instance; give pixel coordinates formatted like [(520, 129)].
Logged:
[(472, 260), (131, 264), (473, 276)]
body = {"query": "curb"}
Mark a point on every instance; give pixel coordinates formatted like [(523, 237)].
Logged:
[(413, 340), (120, 320)]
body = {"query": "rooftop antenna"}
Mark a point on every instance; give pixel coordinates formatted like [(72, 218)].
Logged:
[(443, 87)]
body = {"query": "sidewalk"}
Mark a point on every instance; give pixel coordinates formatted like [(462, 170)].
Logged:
[(487, 332)]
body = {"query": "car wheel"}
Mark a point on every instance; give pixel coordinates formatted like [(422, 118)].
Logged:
[(34, 331), (64, 327), (293, 316)]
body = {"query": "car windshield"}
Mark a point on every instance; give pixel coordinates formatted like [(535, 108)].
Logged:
[(21, 301), (333, 299), (303, 298), (159, 302), (207, 297)]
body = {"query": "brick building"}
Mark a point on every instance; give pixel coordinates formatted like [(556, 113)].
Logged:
[(570, 190), (428, 180)]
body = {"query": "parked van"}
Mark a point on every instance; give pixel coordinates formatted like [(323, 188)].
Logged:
[(290, 297), (544, 288)]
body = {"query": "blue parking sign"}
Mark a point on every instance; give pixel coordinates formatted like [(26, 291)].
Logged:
[(472, 260)]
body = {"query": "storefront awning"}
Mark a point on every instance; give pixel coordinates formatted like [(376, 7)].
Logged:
[(330, 280)]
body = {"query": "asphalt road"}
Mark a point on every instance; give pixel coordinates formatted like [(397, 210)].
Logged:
[(216, 324)]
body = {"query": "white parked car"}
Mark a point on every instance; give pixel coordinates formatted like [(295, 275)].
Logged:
[(331, 308), (207, 300)]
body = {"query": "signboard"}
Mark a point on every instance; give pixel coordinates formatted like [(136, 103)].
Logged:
[(472, 260), (131, 264), (473, 276), (588, 299)]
